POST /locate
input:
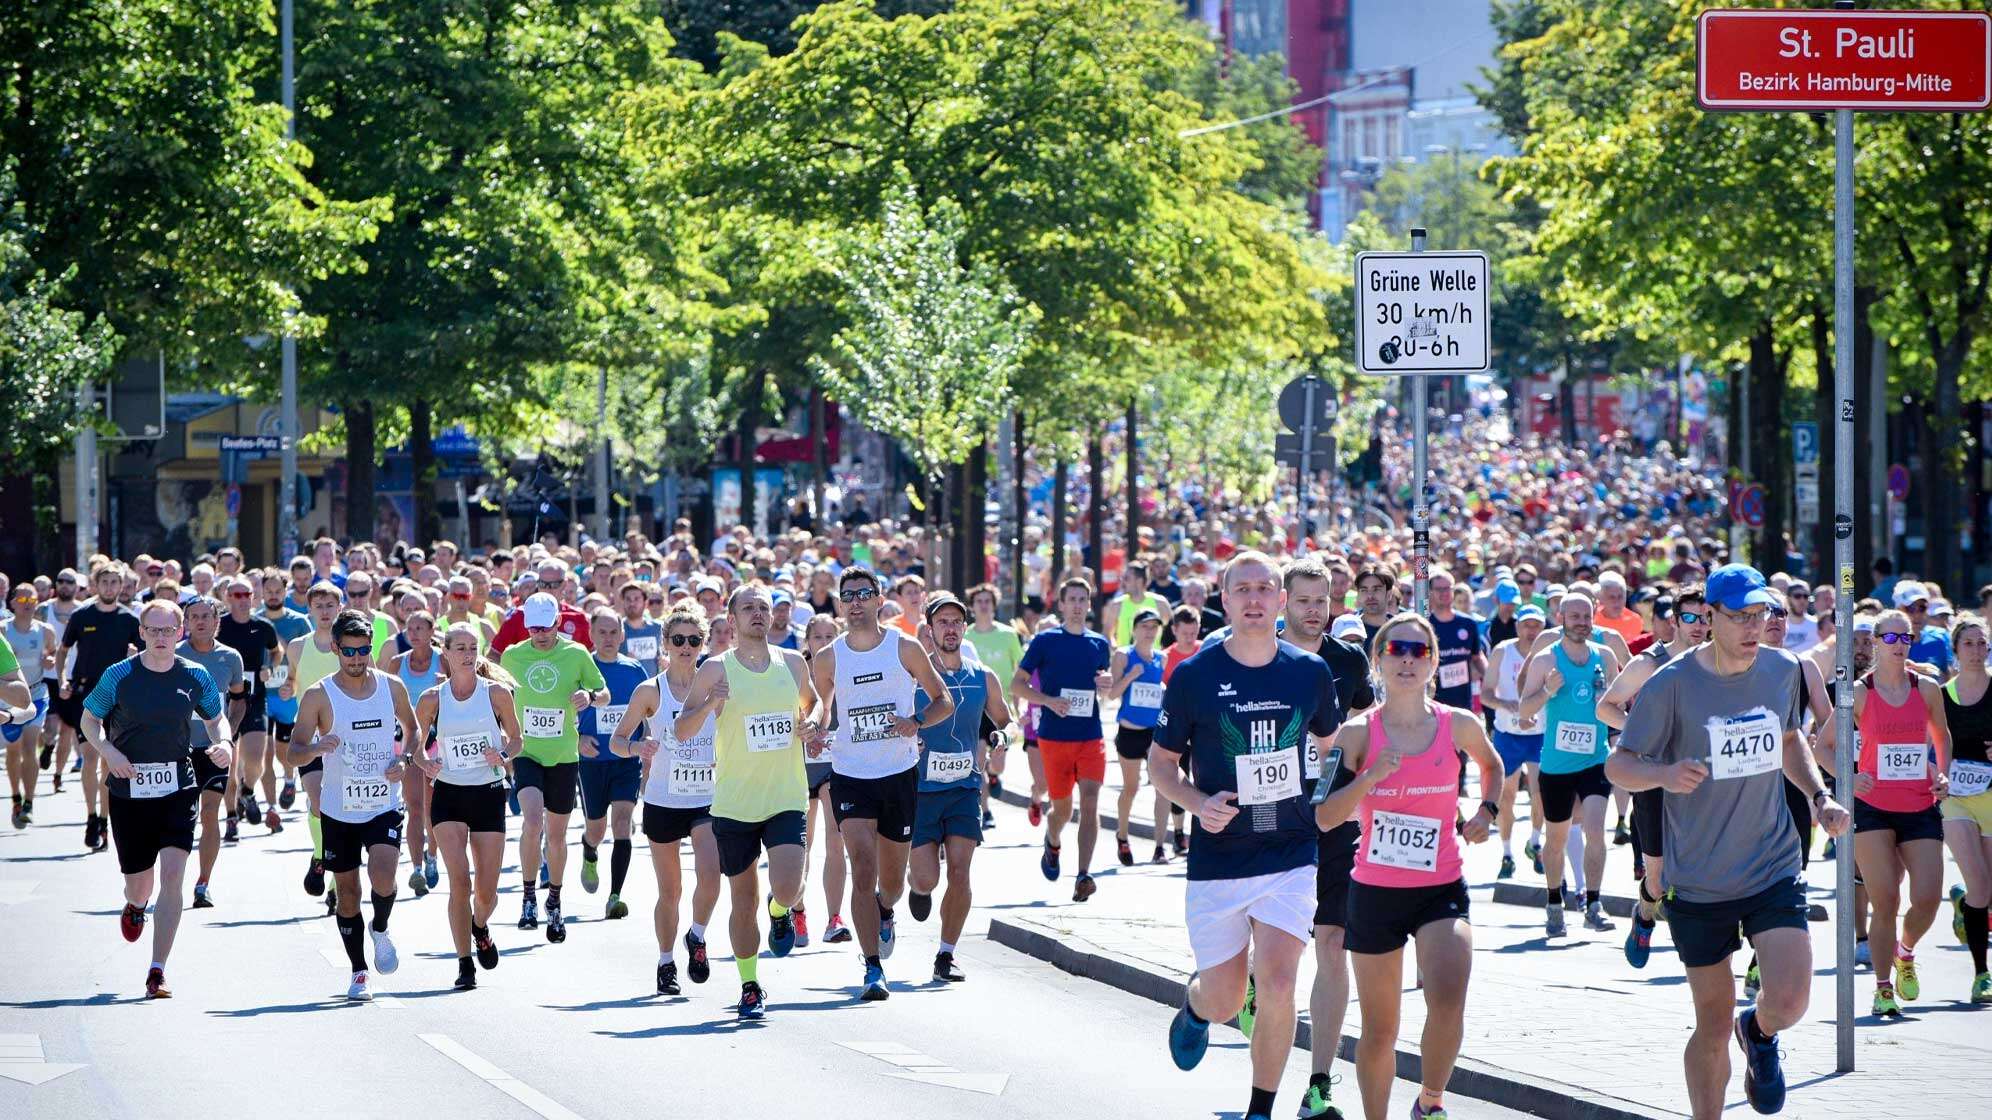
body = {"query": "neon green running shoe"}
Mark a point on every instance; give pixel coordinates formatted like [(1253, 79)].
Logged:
[(1981, 988), (1884, 1002), (1250, 1011), (1317, 1105), (1957, 913), (591, 876), (1753, 981), (1906, 980)]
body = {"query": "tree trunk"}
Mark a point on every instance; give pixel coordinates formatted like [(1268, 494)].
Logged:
[(975, 516), (359, 470), (1133, 477), (1767, 392), (422, 472), (948, 515), (819, 439), (1020, 496), (1058, 481), (1944, 510), (1096, 505), (1819, 542), (750, 419)]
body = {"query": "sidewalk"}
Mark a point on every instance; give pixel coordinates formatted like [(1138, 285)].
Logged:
[(1564, 1029)]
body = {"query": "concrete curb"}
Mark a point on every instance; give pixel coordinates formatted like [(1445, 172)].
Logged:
[(1618, 906), (1470, 1078)]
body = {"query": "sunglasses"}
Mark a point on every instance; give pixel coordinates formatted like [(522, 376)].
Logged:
[(161, 630), (1892, 638), (1691, 618), (241, 595), (857, 594), (1777, 612), (683, 640), (463, 595), (1397, 647), (355, 651)]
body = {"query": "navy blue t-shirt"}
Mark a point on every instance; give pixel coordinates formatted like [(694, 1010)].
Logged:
[(1066, 664), (621, 675), (1215, 710), (1459, 640)]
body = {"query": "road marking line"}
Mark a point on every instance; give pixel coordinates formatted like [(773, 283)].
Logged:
[(911, 1065), (498, 1079), (21, 1059)]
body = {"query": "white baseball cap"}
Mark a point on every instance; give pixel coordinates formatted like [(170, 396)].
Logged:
[(542, 609), (1347, 626), (1908, 591)]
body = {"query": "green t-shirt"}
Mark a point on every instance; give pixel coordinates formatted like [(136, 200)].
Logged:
[(1000, 649), (547, 681), (1124, 622), (8, 662)]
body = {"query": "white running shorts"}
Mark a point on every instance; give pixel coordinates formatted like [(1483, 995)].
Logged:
[(1220, 912)]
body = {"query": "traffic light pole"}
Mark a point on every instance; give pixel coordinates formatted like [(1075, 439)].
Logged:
[(1421, 531)]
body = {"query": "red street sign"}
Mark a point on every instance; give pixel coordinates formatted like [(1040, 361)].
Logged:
[(1898, 482), (1767, 59), (1750, 505)]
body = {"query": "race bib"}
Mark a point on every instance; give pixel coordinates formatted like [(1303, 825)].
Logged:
[(545, 723), (1745, 746), (872, 723), (364, 795), (691, 779), (1969, 779), (464, 752), (1310, 760), (951, 767), (1268, 776), (1453, 674), (1901, 762), (1144, 694), (608, 719), (278, 676), (154, 779), (642, 649), (1404, 841), (1577, 738), (770, 731), (1082, 701)]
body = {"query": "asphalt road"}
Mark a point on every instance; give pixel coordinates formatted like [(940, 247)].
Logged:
[(258, 1022)]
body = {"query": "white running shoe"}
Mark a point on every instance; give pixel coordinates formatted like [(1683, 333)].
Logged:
[(386, 960), (359, 992)]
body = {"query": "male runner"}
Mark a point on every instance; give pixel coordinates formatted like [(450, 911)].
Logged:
[(1373, 587), (759, 697), (1718, 730), (1242, 710), (31, 646), (1519, 743), (224, 667), (349, 720), (136, 720), (290, 625), (871, 675), (643, 637), (1134, 597), (951, 764), (59, 737), (557, 679), (609, 782), (255, 639), (1564, 685), (1071, 664), (101, 635), (313, 659)]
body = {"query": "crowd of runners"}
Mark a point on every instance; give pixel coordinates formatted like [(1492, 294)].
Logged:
[(1591, 667)]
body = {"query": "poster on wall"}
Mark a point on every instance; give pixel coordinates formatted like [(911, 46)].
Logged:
[(725, 498), (767, 498)]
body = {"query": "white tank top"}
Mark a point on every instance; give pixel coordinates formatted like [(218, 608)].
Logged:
[(1507, 686), (681, 772), (355, 788), (872, 687), (463, 729)]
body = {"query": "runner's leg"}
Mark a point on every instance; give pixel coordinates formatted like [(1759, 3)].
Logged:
[(1924, 861), (1445, 961), (166, 912), (1379, 988), (1706, 1058), (1881, 869), (955, 904), (1275, 965), (452, 837), (1130, 770)]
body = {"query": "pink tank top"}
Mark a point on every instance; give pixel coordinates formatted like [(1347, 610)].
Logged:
[(1895, 740), (1408, 820)]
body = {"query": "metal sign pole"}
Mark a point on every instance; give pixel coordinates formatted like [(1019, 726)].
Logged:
[(1421, 535), (287, 535), (1306, 466), (1843, 560)]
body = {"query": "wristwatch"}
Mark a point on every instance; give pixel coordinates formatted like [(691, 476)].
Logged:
[(1819, 796), (1493, 810)]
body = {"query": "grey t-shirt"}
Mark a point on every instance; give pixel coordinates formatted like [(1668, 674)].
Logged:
[(1732, 837), (224, 664)]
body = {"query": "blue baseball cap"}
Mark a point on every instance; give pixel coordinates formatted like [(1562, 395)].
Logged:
[(1530, 611), (1507, 591), (1736, 586)]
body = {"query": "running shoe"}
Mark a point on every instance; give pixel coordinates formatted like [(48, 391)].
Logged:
[(1507, 868), (429, 871), (837, 932), (131, 922), (1884, 1005), (155, 984), (229, 833), (696, 965), (1906, 980), (202, 901), (1188, 1037), (20, 821), (801, 928), (1035, 813), (314, 877), (1316, 1104), (1552, 922), (529, 913), (556, 925), (89, 831), (667, 980), (1639, 942), (888, 932), (332, 901), (357, 991), (47, 756), (988, 819), (996, 787), (1763, 1076), (874, 985), (781, 932), (1048, 863), (1981, 988), (616, 908), (27, 812), (753, 1001), (251, 811), (945, 970), (1084, 887), (1249, 1014), (1420, 1112), (591, 875), (386, 960), (1957, 912), (1753, 981), (1161, 855), (56, 782), (487, 950), (273, 822), (919, 905), (288, 797), (1125, 852), (1620, 837), (1595, 919), (466, 977), (103, 833), (418, 884), (1861, 954), (1533, 850), (1180, 840)]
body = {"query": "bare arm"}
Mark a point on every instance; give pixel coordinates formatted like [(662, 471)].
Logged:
[(940, 702), (1612, 705), (707, 697), (642, 705), (1353, 740)]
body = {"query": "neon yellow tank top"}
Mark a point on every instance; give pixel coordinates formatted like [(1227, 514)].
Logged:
[(756, 746), (314, 664)]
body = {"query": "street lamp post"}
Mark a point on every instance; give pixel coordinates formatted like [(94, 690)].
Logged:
[(287, 542)]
